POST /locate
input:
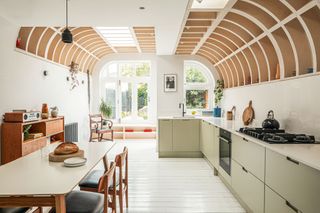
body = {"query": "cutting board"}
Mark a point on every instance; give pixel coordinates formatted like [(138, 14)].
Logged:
[(248, 114), (61, 158)]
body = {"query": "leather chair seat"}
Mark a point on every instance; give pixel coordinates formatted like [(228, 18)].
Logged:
[(84, 202), (13, 210), (92, 180)]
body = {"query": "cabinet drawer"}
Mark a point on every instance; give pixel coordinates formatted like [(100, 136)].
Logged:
[(275, 203), (165, 135), (31, 146), (53, 127), (249, 188), (250, 155), (294, 181)]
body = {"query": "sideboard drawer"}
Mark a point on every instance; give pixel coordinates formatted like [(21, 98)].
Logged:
[(53, 127), (31, 146)]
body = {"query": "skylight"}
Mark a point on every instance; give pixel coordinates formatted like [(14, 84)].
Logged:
[(118, 36), (209, 4)]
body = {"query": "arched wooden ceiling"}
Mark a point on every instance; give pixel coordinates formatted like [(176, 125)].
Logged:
[(249, 40), (87, 48)]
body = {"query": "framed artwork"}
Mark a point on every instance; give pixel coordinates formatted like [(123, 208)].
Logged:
[(170, 82)]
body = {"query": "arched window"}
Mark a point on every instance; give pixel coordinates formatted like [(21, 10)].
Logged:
[(124, 85), (198, 86)]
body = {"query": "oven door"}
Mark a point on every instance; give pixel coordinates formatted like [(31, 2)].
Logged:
[(225, 154)]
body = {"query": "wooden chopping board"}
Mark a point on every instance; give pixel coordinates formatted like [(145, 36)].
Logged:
[(248, 114), (61, 158)]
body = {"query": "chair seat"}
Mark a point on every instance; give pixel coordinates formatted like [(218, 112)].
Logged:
[(103, 130), (92, 180), (83, 202), (13, 210)]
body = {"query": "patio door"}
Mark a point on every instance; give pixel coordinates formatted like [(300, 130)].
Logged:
[(133, 101)]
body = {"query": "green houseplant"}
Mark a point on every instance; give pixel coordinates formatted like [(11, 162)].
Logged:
[(105, 110), (218, 94)]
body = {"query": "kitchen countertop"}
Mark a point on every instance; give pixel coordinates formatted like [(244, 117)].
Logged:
[(308, 154)]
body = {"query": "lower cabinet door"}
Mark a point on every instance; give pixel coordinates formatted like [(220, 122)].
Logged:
[(165, 135), (249, 188), (216, 147), (186, 135), (274, 203)]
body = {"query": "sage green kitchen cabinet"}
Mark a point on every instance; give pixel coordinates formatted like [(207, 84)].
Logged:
[(275, 203), (249, 188), (295, 182), (202, 135), (207, 136), (215, 161), (165, 135), (186, 135), (249, 155)]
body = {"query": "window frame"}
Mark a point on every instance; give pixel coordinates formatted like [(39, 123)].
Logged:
[(208, 85), (117, 79)]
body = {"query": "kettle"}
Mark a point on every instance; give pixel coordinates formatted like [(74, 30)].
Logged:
[(270, 122)]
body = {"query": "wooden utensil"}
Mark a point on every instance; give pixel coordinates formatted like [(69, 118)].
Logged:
[(248, 114), (60, 158)]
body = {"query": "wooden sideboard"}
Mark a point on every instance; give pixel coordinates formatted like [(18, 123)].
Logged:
[(14, 145)]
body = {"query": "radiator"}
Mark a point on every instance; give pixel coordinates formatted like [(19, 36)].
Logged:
[(71, 132)]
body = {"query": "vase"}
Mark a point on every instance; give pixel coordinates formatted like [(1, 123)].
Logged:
[(217, 112), (45, 111)]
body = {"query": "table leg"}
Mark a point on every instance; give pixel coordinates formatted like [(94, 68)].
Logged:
[(60, 203), (105, 163)]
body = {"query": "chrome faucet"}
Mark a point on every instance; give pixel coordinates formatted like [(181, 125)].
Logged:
[(181, 106)]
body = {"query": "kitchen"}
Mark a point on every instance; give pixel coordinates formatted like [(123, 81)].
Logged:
[(219, 96)]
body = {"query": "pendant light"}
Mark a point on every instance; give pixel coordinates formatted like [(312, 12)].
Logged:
[(66, 35)]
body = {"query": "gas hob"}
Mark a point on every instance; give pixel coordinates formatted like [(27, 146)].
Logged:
[(278, 136)]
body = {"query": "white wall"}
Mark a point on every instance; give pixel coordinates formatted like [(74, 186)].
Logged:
[(23, 86), (166, 103), (295, 103)]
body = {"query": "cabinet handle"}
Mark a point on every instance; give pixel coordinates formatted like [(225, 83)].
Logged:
[(292, 207), (244, 169), (293, 161), (246, 140)]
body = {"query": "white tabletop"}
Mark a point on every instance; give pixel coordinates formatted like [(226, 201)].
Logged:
[(35, 175)]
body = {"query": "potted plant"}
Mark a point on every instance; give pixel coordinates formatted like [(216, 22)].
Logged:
[(105, 110), (218, 93)]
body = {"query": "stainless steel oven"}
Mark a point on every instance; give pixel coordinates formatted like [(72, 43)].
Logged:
[(225, 150)]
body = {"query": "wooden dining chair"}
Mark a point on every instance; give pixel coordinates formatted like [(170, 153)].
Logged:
[(91, 181), (100, 126), (90, 202), (107, 181), (14, 210)]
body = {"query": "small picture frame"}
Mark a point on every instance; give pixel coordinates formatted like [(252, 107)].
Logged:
[(170, 82)]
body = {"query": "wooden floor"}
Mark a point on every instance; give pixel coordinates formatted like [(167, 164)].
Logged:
[(169, 185)]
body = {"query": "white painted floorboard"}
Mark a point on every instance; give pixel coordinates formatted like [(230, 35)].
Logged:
[(172, 185)]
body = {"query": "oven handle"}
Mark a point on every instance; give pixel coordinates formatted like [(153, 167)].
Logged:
[(224, 140)]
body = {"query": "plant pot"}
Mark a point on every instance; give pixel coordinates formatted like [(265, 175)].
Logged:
[(217, 112)]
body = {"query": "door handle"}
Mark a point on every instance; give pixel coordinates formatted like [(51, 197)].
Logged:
[(292, 207), (246, 140), (225, 140), (244, 169), (293, 161)]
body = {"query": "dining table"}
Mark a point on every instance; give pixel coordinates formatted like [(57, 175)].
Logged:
[(34, 181)]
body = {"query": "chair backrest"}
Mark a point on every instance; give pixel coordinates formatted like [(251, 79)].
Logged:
[(105, 180), (95, 121), (121, 161)]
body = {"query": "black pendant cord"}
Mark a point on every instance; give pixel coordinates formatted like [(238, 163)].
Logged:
[(67, 13)]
